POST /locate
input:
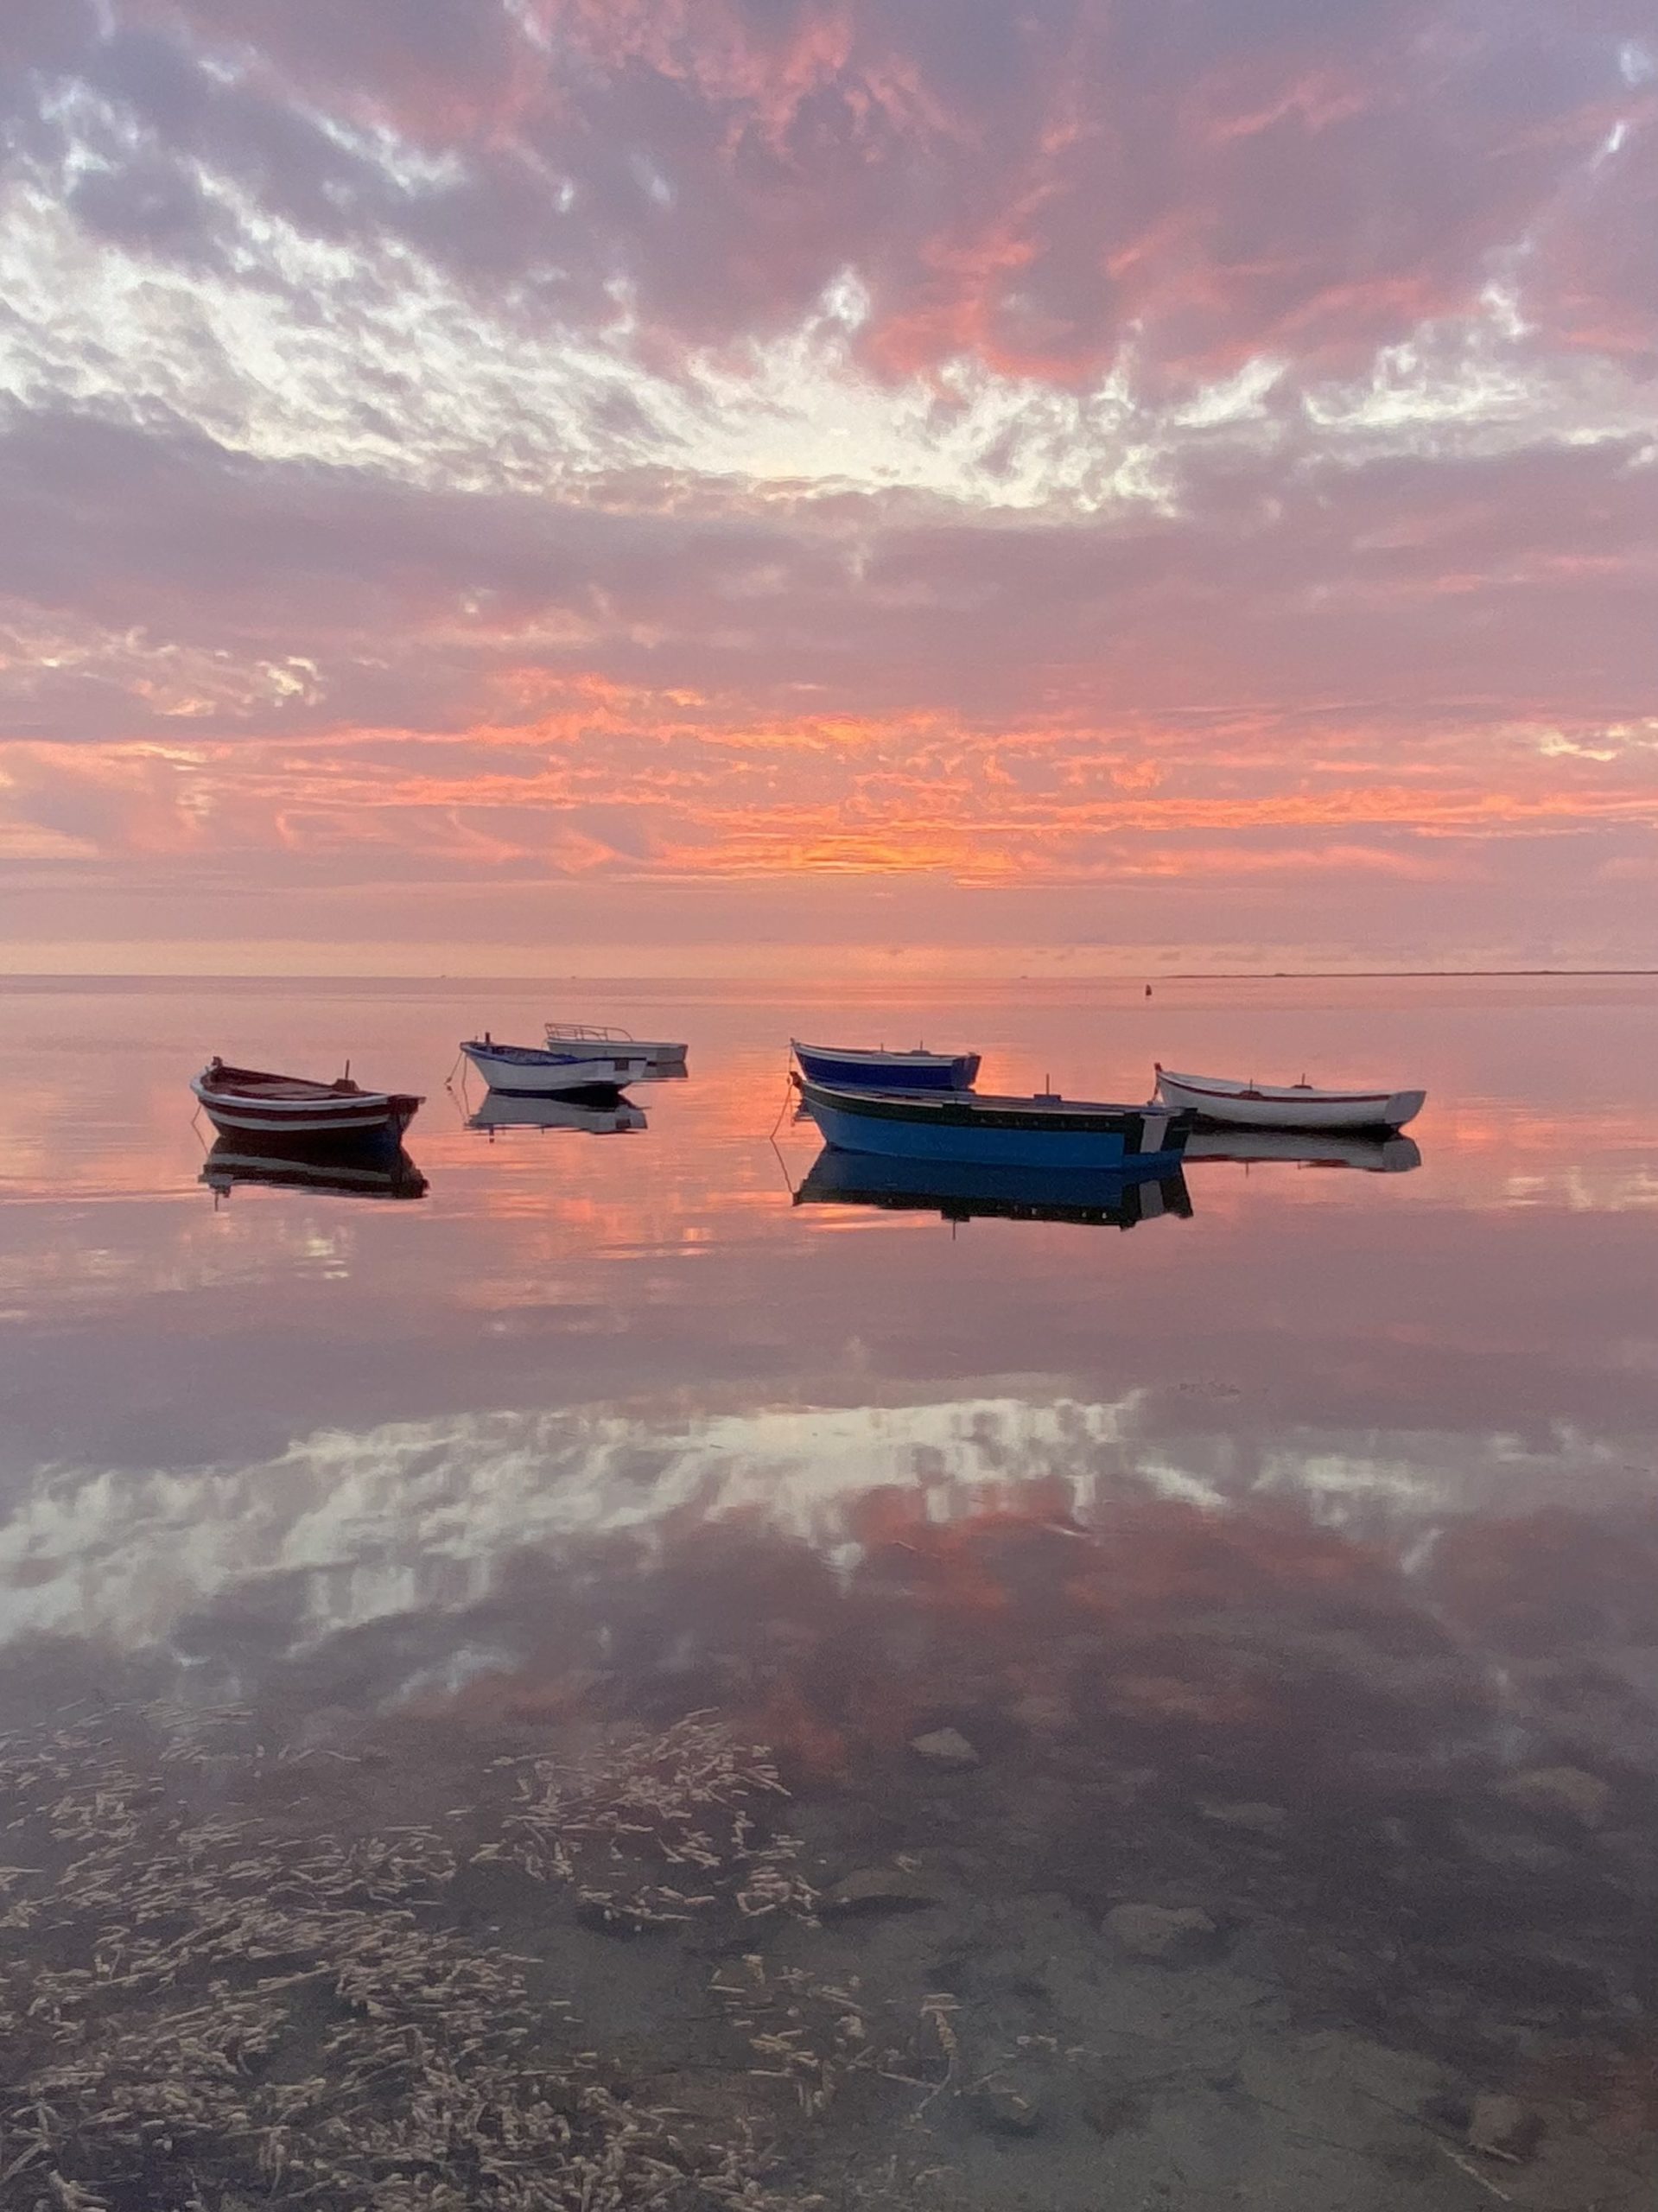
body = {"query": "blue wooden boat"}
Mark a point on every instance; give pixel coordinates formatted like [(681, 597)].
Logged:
[(849, 1068), (968, 1191), (1045, 1131)]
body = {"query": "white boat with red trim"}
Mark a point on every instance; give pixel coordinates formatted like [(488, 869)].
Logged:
[(1286, 1106), (254, 1099)]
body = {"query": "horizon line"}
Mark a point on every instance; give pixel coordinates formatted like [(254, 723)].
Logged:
[(1135, 977)]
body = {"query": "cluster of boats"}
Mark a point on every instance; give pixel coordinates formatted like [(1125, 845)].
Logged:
[(292, 1130), (901, 1129), (923, 1104), (908, 1131)]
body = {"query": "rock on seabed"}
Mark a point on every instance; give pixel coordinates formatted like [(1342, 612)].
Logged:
[(1001, 2111), (1561, 1793), (1252, 1819), (1502, 2127), (944, 1747), (880, 1889), (1173, 1935)]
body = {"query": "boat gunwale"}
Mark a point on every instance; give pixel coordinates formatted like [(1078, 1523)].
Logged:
[(544, 1057), (299, 1094), (1279, 1094), (878, 1055), (588, 1033), (972, 1109)]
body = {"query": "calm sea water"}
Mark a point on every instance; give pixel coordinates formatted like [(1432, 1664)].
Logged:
[(1264, 1553)]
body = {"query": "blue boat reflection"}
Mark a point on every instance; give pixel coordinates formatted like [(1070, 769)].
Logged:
[(961, 1190), (344, 1167)]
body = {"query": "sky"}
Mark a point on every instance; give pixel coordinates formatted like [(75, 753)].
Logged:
[(703, 486)]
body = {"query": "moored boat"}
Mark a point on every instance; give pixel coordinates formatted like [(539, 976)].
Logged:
[(605, 1119), (532, 1070), (967, 1190), (254, 1099), (659, 1055), (1288, 1106), (1044, 1131), (850, 1068), (1381, 1155)]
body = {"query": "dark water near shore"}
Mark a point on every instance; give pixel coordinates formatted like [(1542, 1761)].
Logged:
[(1265, 1554)]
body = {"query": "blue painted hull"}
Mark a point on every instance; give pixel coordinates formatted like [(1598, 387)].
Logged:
[(996, 1133), (888, 1070)]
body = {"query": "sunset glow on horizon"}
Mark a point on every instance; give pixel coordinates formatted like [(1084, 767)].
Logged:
[(583, 485)]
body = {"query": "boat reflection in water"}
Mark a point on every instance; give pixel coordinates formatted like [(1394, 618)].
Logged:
[(346, 1167), (1378, 1155), (960, 1190), (600, 1114)]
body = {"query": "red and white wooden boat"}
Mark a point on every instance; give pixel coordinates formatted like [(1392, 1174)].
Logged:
[(1286, 1106), (287, 1105)]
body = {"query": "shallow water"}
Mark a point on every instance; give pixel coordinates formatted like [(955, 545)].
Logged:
[(1265, 1551)]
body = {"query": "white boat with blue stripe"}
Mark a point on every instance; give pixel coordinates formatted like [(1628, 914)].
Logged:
[(851, 1068), (532, 1072), (1043, 1131)]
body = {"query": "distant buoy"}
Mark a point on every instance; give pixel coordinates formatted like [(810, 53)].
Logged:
[(1149, 990)]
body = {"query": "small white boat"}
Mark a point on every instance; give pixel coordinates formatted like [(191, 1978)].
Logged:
[(1286, 1106), (253, 1099), (563, 1035), (527, 1070)]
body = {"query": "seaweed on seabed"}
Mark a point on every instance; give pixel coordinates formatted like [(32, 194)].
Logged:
[(654, 1829), (196, 2011)]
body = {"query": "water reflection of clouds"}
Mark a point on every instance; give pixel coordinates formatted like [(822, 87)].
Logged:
[(379, 1409), (415, 1516)]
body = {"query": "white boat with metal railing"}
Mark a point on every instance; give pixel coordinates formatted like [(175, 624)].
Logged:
[(657, 1053)]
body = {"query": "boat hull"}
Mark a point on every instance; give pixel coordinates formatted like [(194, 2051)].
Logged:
[(960, 1126), (967, 1190), (1268, 1106), (318, 1112), (850, 1069), (525, 1071)]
